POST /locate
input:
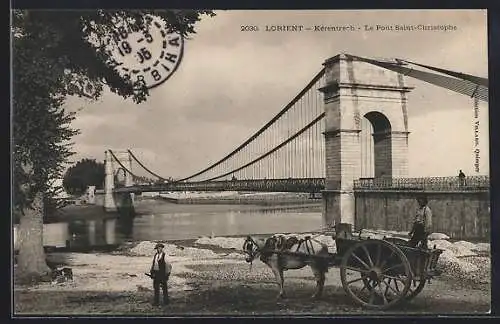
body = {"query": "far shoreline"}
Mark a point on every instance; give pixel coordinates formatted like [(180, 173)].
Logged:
[(238, 200)]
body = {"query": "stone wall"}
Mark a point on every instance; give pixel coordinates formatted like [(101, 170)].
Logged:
[(461, 215)]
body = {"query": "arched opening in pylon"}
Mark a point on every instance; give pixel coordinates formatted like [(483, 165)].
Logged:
[(120, 177), (376, 149)]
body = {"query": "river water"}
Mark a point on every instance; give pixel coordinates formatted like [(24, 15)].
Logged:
[(193, 223), (157, 220)]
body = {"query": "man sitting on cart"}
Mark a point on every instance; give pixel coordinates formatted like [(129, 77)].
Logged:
[(422, 224)]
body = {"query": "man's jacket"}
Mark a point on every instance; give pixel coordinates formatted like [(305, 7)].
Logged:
[(164, 266)]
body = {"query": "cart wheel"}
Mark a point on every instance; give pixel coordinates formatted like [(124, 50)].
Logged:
[(375, 274), (416, 285), (415, 288)]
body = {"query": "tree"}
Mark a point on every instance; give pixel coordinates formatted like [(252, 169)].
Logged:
[(58, 54), (84, 173)]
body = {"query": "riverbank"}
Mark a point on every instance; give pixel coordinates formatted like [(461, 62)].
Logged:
[(211, 277)]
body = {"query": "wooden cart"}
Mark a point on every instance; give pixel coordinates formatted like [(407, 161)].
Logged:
[(379, 273)]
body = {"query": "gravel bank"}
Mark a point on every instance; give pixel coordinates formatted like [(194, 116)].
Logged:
[(461, 260), (204, 281)]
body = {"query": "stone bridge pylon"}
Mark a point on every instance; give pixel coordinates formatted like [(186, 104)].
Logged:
[(116, 164), (360, 95)]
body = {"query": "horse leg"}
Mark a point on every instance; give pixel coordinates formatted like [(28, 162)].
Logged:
[(282, 284), (319, 275), (278, 274)]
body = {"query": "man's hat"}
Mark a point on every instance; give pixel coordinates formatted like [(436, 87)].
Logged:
[(158, 245)]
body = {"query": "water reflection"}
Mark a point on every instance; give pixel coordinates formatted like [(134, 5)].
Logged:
[(103, 230), (93, 232), (79, 234)]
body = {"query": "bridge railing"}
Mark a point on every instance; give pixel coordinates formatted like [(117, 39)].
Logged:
[(310, 185), (470, 183)]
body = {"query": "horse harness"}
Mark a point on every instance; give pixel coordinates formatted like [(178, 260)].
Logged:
[(284, 243), (277, 244)]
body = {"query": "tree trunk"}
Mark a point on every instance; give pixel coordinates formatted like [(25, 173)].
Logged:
[(31, 262)]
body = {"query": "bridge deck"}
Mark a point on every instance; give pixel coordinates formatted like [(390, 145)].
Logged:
[(313, 185)]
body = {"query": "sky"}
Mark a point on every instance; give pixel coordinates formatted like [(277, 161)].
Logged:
[(230, 83)]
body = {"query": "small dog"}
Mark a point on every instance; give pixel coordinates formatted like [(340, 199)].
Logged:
[(62, 275)]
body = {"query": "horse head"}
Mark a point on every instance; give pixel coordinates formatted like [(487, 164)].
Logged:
[(252, 248)]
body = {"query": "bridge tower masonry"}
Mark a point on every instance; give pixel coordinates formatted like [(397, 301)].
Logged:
[(113, 170), (355, 90)]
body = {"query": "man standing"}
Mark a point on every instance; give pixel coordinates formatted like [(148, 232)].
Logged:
[(422, 224), (160, 272), (461, 178)]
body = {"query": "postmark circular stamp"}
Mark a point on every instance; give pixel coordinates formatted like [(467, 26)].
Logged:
[(150, 55)]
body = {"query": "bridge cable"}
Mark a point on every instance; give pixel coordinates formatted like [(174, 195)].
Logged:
[(144, 167), (472, 86), (464, 85), (121, 165), (265, 127), (474, 79), (317, 119)]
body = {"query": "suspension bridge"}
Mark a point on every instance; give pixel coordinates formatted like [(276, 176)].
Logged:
[(346, 129)]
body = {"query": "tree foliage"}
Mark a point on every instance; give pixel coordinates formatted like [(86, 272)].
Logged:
[(57, 54), (84, 173), (60, 53)]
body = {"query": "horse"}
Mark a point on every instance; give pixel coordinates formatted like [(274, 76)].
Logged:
[(277, 252)]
